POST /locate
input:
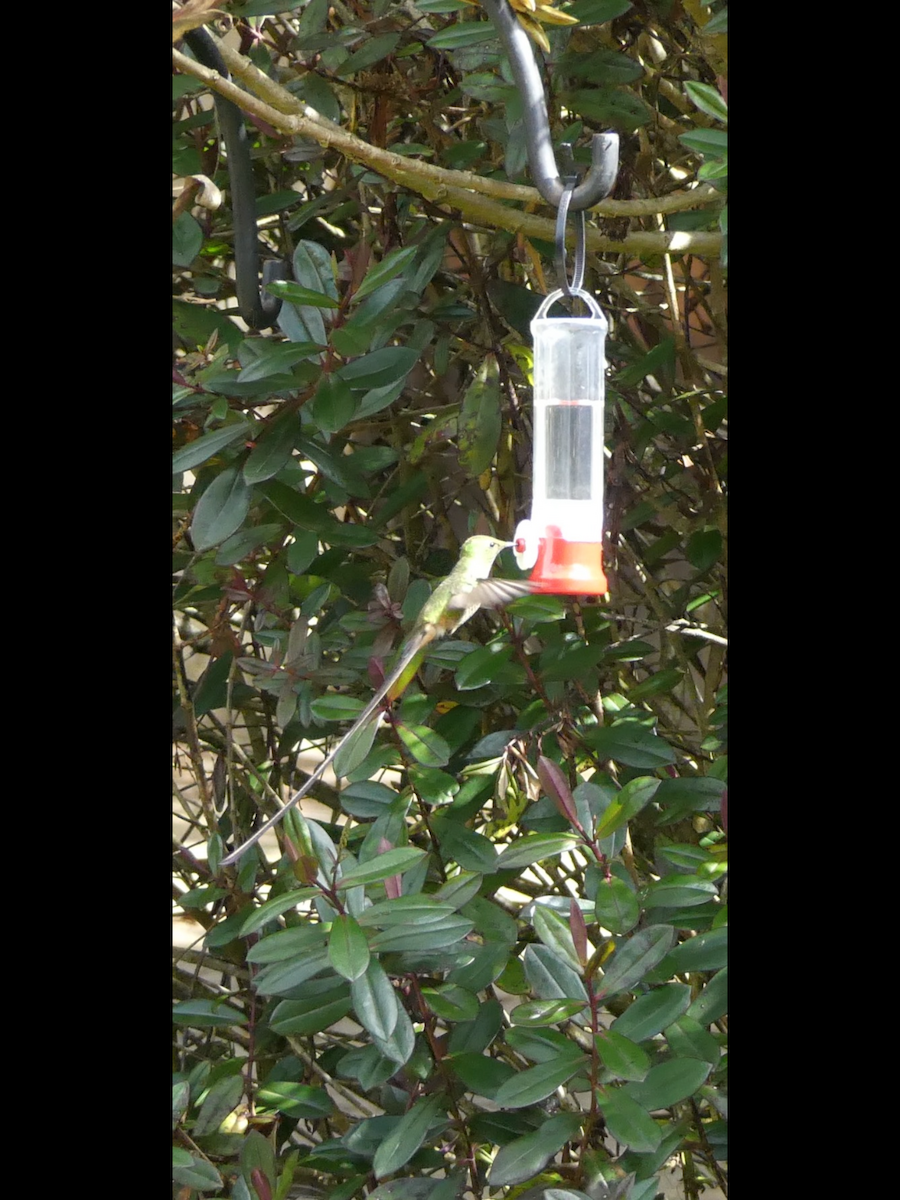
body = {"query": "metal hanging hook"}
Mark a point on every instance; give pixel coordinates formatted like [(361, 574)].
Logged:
[(569, 289), (598, 182), (258, 309)]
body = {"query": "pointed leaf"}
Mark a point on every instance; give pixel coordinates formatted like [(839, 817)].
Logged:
[(533, 849), (392, 862), (631, 799), (286, 289), (669, 1082), (537, 1013), (426, 746), (202, 448), (220, 510), (707, 99), (636, 958), (273, 449), (632, 745), (524, 1157), (375, 1001), (221, 1099), (621, 1056), (348, 950), (354, 749), (554, 932), (406, 1137), (207, 1014), (480, 420), (616, 906), (653, 1011), (392, 264), (628, 1122)]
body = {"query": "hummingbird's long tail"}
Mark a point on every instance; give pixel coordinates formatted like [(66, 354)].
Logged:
[(393, 685)]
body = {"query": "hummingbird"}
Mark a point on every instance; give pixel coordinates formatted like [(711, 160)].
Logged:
[(455, 599)]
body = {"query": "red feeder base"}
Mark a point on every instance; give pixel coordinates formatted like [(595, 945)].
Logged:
[(568, 568)]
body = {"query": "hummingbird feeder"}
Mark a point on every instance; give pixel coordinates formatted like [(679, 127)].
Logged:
[(563, 540)]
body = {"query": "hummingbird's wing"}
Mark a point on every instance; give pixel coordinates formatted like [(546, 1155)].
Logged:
[(492, 593)]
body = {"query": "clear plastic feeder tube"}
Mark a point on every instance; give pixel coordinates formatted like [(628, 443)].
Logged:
[(568, 466), (569, 393)]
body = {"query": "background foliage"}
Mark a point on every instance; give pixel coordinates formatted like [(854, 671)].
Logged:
[(498, 968)]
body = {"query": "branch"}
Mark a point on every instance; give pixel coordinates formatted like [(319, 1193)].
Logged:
[(468, 194)]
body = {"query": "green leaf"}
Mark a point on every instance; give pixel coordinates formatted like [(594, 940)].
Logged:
[(634, 796), (713, 142), (282, 977), (598, 12), (536, 1014), (636, 958), (653, 1011), (705, 952), (203, 1014), (287, 943), (381, 368), (535, 1084), (426, 746), (465, 34), (524, 1157), (348, 949), (296, 1100), (203, 448), (375, 1001), (276, 359), (480, 420), (679, 891), (257, 1154), (669, 1082), (631, 744), (707, 99), (337, 708), (390, 266), (435, 787), (220, 510), (452, 1003), (628, 1122), (616, 906), (621, 1056), (480, 1073), (554, 932), (221, 1099), (534, 848), (373, 51), (550, 977), (614, 106), (383, 866), (334, 405), (354, 749), (473, 851), (286, 289), (327, 1002), (200, 1175), (712, 1001), (273, 908), (405, 911), (433, 936), (704, 548), (187, 240), (273, 449), (181, 1098), (689, 1039), (406, 1137)]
